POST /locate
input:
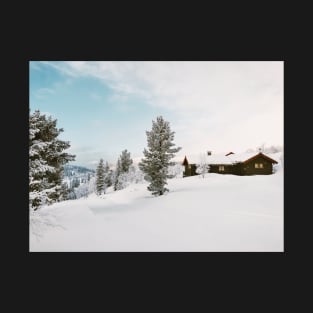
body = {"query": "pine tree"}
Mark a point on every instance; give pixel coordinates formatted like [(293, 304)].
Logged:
[(107, 175), (126, 161), (100, 185), (122, 167), (117, 173), (157, 158), (46, 160)]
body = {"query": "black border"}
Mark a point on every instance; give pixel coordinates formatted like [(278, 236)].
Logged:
[(266, 269)]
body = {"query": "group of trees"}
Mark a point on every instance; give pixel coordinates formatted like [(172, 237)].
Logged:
[(124, 174), (104, 177), (47, 159), (156, 167)]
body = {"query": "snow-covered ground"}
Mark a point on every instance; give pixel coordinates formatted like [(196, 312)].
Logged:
[(215, 213)]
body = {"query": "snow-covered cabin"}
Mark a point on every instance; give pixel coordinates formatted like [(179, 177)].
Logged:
[(231, 163)]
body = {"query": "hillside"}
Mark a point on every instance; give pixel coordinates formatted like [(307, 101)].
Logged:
[(215, 213), (73, 175)]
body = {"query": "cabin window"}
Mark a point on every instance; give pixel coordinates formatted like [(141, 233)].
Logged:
[(258, 165), (221, 168), (189, 166)]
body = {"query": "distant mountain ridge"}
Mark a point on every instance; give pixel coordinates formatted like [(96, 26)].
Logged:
[(73, 170), (75, 175)]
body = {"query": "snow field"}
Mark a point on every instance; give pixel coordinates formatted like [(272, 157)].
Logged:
[(216, 213)]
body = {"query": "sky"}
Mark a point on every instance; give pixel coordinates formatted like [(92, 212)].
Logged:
[(105, 107)]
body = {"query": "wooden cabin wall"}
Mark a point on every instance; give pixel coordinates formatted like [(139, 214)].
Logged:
[(249, 167)]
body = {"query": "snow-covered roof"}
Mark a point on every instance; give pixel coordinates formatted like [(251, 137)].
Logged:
[(230, 159)]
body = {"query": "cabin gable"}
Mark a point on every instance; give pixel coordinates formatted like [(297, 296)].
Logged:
[(190, 169), (257, 166)]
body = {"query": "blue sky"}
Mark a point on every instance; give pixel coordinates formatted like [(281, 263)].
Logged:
[(105, 107)]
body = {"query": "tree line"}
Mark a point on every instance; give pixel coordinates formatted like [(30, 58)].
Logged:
[(47, 158)]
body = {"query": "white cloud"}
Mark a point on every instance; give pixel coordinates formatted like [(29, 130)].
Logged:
[(219, 105)]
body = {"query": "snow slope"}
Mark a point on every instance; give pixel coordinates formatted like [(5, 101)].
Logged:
[(215, 213)]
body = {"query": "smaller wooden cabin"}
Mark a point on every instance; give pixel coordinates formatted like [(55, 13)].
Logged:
[(231, 163), (190, 169)]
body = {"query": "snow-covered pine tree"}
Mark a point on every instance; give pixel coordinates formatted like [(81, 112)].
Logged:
[(117, 173), (107, 175), (126, 161), (46, 160), (100, 185), (203, 167), (122, 167), (157, 158)]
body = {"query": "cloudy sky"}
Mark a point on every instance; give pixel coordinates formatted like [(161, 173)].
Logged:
[(105, 107)]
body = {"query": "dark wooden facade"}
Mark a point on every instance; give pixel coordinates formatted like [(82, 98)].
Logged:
[(235, 169), (259, 164), (190, 169), (252, 166)]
